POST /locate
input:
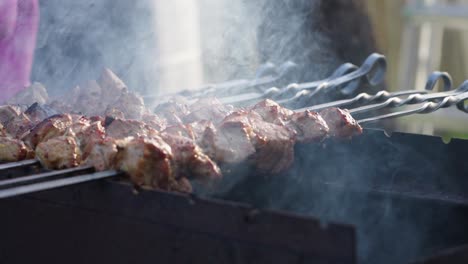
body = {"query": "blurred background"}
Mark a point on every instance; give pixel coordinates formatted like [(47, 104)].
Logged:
[(158, 47)]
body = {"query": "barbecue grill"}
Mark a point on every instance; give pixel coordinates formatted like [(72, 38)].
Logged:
[(377, 198)]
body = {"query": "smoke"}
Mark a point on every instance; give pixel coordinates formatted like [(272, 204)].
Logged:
[(77, 39)]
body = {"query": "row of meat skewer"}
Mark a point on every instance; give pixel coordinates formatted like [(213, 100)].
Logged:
[(166, 150)]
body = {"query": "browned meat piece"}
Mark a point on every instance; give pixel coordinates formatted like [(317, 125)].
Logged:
[(208, 109), (248, 136), (51, 127), (12, 149), (111, 85), (37, 112), (189, 159), (8, 112), (130, 104), (341, 123), (36, 93), (59, 152), (272, 112), (121, 128), (172, 111), (230, 142), (308, 127), (88, 133), (146, 161), (101, 155), (274, 145)]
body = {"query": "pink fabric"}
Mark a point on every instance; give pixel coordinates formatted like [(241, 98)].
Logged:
[(18, 28)]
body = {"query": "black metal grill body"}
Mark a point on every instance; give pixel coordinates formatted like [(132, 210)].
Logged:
[(404, 194)]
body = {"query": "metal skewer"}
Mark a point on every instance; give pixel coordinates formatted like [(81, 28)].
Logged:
[(347, 78), (429, 107), (42, 186), (18, 164), (46, 175), (365, 98), (417, 98)]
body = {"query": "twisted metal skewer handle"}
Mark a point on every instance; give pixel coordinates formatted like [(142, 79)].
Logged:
[(365, 98), (416, 98), (429, 107), (347, 77)]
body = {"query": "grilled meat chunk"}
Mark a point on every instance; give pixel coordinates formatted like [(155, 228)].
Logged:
[(51, 127), (274, 146), (146, 161), (189, 159), (341, 123), (12, 149), (122, 128), (36, 112), (101, 154), (230, 142), (308, 126), (272, 112), (59, 152), (207, 109), (19, 126)]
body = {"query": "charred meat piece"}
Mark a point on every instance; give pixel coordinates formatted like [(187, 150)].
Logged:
[(122, 128), (146, 161), (51, 127), (36, 112), (272, 112), (308, 126), (341, 123), (189, 159), (59, 152), (12, 149), (101, 155)]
